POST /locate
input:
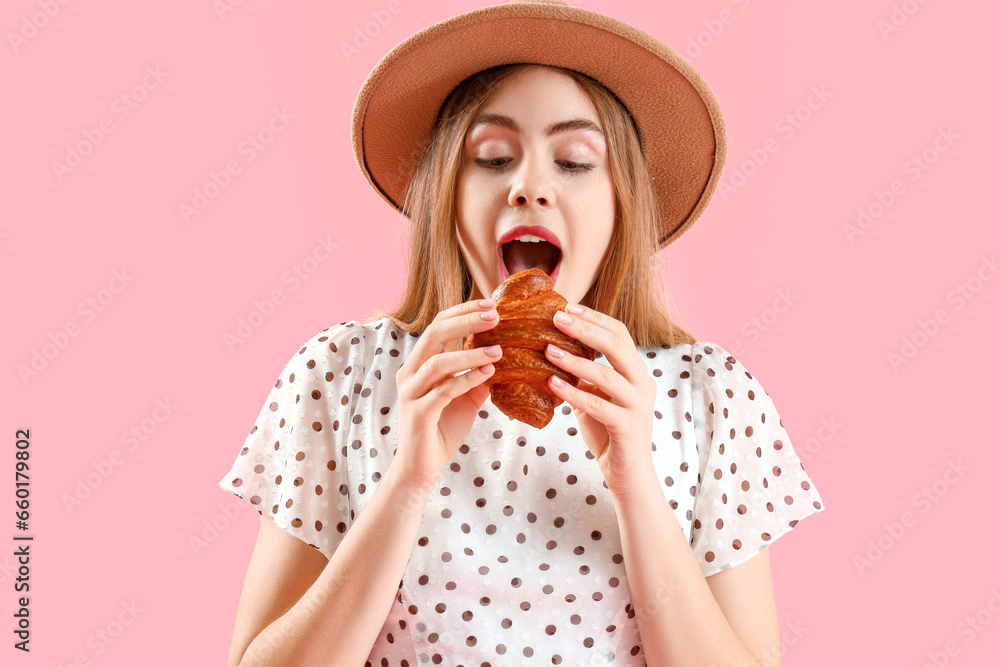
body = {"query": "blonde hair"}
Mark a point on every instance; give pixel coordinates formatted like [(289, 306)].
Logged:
[(630, 285)]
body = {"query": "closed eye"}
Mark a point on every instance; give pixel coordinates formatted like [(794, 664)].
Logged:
[(567, 166)]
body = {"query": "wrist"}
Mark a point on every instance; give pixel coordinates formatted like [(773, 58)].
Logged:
[(409, 480), (640, 487)]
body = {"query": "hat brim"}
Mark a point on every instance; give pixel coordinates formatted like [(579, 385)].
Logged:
[(679, 118)]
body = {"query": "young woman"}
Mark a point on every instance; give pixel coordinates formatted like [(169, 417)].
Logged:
[(407, 521)]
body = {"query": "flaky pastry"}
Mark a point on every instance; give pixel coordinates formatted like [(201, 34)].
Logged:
[(526, 303)]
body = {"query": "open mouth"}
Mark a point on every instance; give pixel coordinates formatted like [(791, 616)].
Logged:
[(522, 255)]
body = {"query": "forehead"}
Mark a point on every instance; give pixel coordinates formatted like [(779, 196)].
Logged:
[(540, 96)]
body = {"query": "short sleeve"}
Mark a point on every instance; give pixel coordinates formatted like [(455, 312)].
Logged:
[(293, 464), (753, 487)]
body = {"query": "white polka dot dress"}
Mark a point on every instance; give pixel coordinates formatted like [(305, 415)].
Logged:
[(518, 559)]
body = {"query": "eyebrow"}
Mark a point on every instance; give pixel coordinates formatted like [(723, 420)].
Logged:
[(499, 120)]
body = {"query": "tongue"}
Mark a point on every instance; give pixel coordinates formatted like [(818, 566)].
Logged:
[(523, 255)]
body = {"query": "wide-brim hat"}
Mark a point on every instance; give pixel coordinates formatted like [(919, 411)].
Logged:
[(679, 120)]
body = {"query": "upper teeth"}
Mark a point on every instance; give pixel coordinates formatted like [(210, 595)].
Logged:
[(528, 238)]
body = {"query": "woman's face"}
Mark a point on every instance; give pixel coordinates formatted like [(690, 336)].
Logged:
[(524, 164)]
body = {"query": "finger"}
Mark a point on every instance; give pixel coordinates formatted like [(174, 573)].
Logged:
[(615, 387), (608, 336), (446, 364), (438, 398), (453, 323), (609, 414)]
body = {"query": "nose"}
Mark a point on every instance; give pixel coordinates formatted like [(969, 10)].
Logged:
[(531, 185)]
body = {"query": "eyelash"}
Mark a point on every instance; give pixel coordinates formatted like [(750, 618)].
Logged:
[(582, 167)]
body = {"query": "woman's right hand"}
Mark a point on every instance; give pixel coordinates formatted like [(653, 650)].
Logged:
[(436, 409)]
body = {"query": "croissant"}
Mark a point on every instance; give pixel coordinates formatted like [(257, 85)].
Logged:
[(526, 303)]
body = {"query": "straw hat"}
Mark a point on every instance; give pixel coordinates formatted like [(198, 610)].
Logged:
[(679, 120)]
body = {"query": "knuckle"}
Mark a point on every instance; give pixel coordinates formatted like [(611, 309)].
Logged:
[(443, 389), (434, 365), (616, 345)]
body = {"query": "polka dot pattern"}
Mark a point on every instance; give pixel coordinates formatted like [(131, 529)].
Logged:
[(293, 464), (753, 486), (518, 558)]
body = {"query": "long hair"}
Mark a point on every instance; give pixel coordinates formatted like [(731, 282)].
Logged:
[(629, 285)]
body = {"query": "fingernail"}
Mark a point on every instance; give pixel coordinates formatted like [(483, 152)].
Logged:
[(488, 368), (489, 315), (557, 382), (564, 318), (576, 309), (555, 351), (493, 350), (487, 303)]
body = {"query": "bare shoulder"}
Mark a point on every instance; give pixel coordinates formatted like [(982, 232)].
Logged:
[(745, 594), (281, 570)]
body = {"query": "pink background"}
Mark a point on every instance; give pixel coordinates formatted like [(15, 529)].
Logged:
[(769, 272)]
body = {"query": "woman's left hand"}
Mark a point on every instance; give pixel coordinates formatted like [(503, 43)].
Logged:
[(613, 405)]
